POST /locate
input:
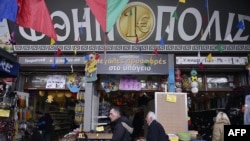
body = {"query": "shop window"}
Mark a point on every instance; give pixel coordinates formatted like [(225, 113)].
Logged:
[(219, 82), (37, 81)]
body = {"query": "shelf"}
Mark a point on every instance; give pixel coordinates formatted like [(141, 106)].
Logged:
[(56, 129), (99, 124), (102, 117), (48, 89), (212, 90), (61, 123), (153, 90)]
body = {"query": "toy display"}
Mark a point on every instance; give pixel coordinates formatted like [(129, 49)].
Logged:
[(178, 83), (91, 67), (194, 83)]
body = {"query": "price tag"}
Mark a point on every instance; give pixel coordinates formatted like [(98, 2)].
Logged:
[(171, 98), (4, 113), (100, 128)]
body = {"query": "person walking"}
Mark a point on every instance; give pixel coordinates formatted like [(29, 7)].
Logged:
[(120, 132), (155, 131), (218, 128)]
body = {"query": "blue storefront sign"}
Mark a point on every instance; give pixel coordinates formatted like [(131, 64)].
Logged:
[(8, 69)]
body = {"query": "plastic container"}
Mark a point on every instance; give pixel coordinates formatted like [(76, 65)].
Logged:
[(173, 137)]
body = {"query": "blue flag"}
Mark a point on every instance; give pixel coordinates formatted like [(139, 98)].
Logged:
[(65, 60), (206, 4), (8, 10), (241, 25), (162, 42)]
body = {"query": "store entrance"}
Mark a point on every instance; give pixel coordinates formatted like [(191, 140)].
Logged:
[(134, 105), (133, 94)]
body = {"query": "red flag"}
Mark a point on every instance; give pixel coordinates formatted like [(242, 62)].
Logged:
[(97, 56), (156, 51), (34, 14), (204, 19), (58, 52), (79, 39), (201, 66)]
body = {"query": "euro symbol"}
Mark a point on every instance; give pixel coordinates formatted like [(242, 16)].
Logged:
[(143, 24)]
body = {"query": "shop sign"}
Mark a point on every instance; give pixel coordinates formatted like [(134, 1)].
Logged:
[(27, 60), (150, 21), (191, 60), (56, 81), (9, 68), (140, 64)]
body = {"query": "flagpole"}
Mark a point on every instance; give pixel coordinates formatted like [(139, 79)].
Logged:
[(208, 16)]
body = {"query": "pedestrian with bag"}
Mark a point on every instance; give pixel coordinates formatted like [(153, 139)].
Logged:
[(121, 126)]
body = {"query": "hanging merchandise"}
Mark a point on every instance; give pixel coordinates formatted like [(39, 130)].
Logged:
[(194, 83), (110, 84), (8, 98), (74, 83), (178, 84), (91, 67), (2, 90), (185, 82), (50, 99), (129, 83)]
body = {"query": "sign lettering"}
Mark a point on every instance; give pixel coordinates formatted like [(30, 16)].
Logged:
[(69, 19)]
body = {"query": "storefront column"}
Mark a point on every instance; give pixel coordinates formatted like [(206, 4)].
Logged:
[(90, 107), (171, 78), (20, 83)]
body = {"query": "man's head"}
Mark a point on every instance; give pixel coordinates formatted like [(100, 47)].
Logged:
[(150, 117), (114, 113)]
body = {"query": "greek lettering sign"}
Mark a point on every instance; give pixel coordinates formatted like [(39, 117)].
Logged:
[(195, 22), (28, 60), (188, 60), (132, 64)]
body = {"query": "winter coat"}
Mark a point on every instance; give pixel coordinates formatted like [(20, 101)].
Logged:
[(119, 132), (218, 130), (156, 132)]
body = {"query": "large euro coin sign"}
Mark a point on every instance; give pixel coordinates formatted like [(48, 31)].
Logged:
[(136, 21)]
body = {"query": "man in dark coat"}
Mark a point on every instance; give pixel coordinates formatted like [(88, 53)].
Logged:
[(120, 133), (156, 131)]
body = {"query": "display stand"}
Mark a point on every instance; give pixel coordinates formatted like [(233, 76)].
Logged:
[(171, 111)]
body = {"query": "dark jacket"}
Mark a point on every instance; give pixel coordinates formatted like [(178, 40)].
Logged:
[(36, 136), (119, 132), (41, 123), (48, 123), (156, 132)]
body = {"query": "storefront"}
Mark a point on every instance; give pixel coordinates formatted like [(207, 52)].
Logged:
[(207, 38), (9, 71)]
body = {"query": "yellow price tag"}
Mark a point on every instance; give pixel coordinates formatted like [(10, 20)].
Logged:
[(4, 113), (171, 98), (100, 128)]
